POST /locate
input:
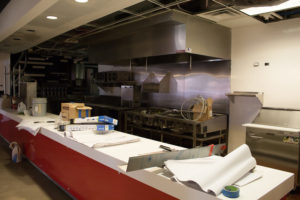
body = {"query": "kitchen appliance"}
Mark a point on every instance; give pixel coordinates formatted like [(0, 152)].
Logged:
[(114, 78), (130, 95), (273, 138), (28, 92), (167, 125)]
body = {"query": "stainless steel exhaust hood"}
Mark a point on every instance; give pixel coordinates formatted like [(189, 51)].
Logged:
[(171, 32)]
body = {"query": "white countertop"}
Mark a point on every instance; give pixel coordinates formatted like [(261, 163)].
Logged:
[(276, 128), (273, 185)]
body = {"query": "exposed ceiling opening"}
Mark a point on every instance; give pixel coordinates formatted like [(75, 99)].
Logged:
[(3, 3), (71, 43)]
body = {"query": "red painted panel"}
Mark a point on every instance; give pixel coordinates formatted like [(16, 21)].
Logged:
[(81, 176)]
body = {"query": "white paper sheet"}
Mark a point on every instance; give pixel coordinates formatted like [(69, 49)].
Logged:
[(96, 140), (34, 124), (248, 178), (211, 174)]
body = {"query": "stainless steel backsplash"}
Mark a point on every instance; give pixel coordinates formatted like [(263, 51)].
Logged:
[(207, 79)]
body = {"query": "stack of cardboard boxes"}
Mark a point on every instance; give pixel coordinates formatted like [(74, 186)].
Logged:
[(74, 110)]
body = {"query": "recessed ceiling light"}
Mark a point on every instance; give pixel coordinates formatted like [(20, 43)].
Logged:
[(51, 17), (265, 9), (81, 1)]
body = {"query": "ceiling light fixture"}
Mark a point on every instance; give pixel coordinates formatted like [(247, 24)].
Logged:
[(81, 1), (52, 17), (259, 10)]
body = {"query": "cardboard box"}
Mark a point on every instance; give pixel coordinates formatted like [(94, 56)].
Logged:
[(84, 127), (83, 111), (68, 106), (107, 119), (207, 113), (95, 120), (72, 110)]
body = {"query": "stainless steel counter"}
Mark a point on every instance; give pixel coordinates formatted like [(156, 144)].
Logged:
[(273, 138)]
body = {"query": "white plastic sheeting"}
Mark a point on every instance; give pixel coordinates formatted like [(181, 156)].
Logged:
[(98, 139), (211, 174), (33, 124)]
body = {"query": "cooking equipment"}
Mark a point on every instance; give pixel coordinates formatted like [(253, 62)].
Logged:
[(273, 138), (114, 78), (130, 95), (165, 123), (28, 92)]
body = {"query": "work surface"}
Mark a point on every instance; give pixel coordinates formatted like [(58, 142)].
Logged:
[(274, 184)]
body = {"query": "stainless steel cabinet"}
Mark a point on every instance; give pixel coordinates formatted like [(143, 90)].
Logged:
[(276, 149)]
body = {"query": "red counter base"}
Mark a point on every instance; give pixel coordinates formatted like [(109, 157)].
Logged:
[(81, 176)]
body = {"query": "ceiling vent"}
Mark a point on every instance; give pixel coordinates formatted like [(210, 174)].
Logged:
[(251, 2), (220, 15)]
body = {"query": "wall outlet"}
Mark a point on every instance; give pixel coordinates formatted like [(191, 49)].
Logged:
[(256, 64)]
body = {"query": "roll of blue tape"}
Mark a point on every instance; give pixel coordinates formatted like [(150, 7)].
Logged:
[(231, 191)]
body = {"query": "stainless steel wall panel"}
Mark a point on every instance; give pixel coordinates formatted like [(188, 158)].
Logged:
[(279, 117), (207, 79), (205, 38)]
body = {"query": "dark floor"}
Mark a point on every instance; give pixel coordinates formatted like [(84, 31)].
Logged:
[(295, 195), (22, 181)]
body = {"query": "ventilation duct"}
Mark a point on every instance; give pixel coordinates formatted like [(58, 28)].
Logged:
[(251, 2), (169, 33)]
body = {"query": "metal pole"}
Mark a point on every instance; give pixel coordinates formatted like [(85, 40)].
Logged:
[(146, 64), (19, 82), (14, 83), (4, 85), (191, 62)]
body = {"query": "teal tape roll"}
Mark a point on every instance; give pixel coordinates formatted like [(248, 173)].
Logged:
[(231, 191)]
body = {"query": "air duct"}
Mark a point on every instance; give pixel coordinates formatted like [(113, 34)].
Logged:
[(169, 33)]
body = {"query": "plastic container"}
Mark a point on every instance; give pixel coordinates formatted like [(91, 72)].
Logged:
[(16, 154), (39, 106)]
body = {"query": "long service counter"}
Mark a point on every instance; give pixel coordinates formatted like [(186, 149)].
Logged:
[(87, 173)]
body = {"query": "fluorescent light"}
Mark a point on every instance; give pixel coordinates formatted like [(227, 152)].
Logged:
[(214, 60), (81, 1), (52, 17), (259, 10)]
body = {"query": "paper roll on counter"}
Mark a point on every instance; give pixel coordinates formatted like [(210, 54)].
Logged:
[(216, 172)]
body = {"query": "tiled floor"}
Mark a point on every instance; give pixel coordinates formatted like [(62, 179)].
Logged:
[(24, 182)]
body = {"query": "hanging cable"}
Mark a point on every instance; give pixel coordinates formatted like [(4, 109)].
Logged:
[(189, 105)]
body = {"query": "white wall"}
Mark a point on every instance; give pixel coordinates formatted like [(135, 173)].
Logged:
[(5, 63), (18, 13), (277, 43)]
